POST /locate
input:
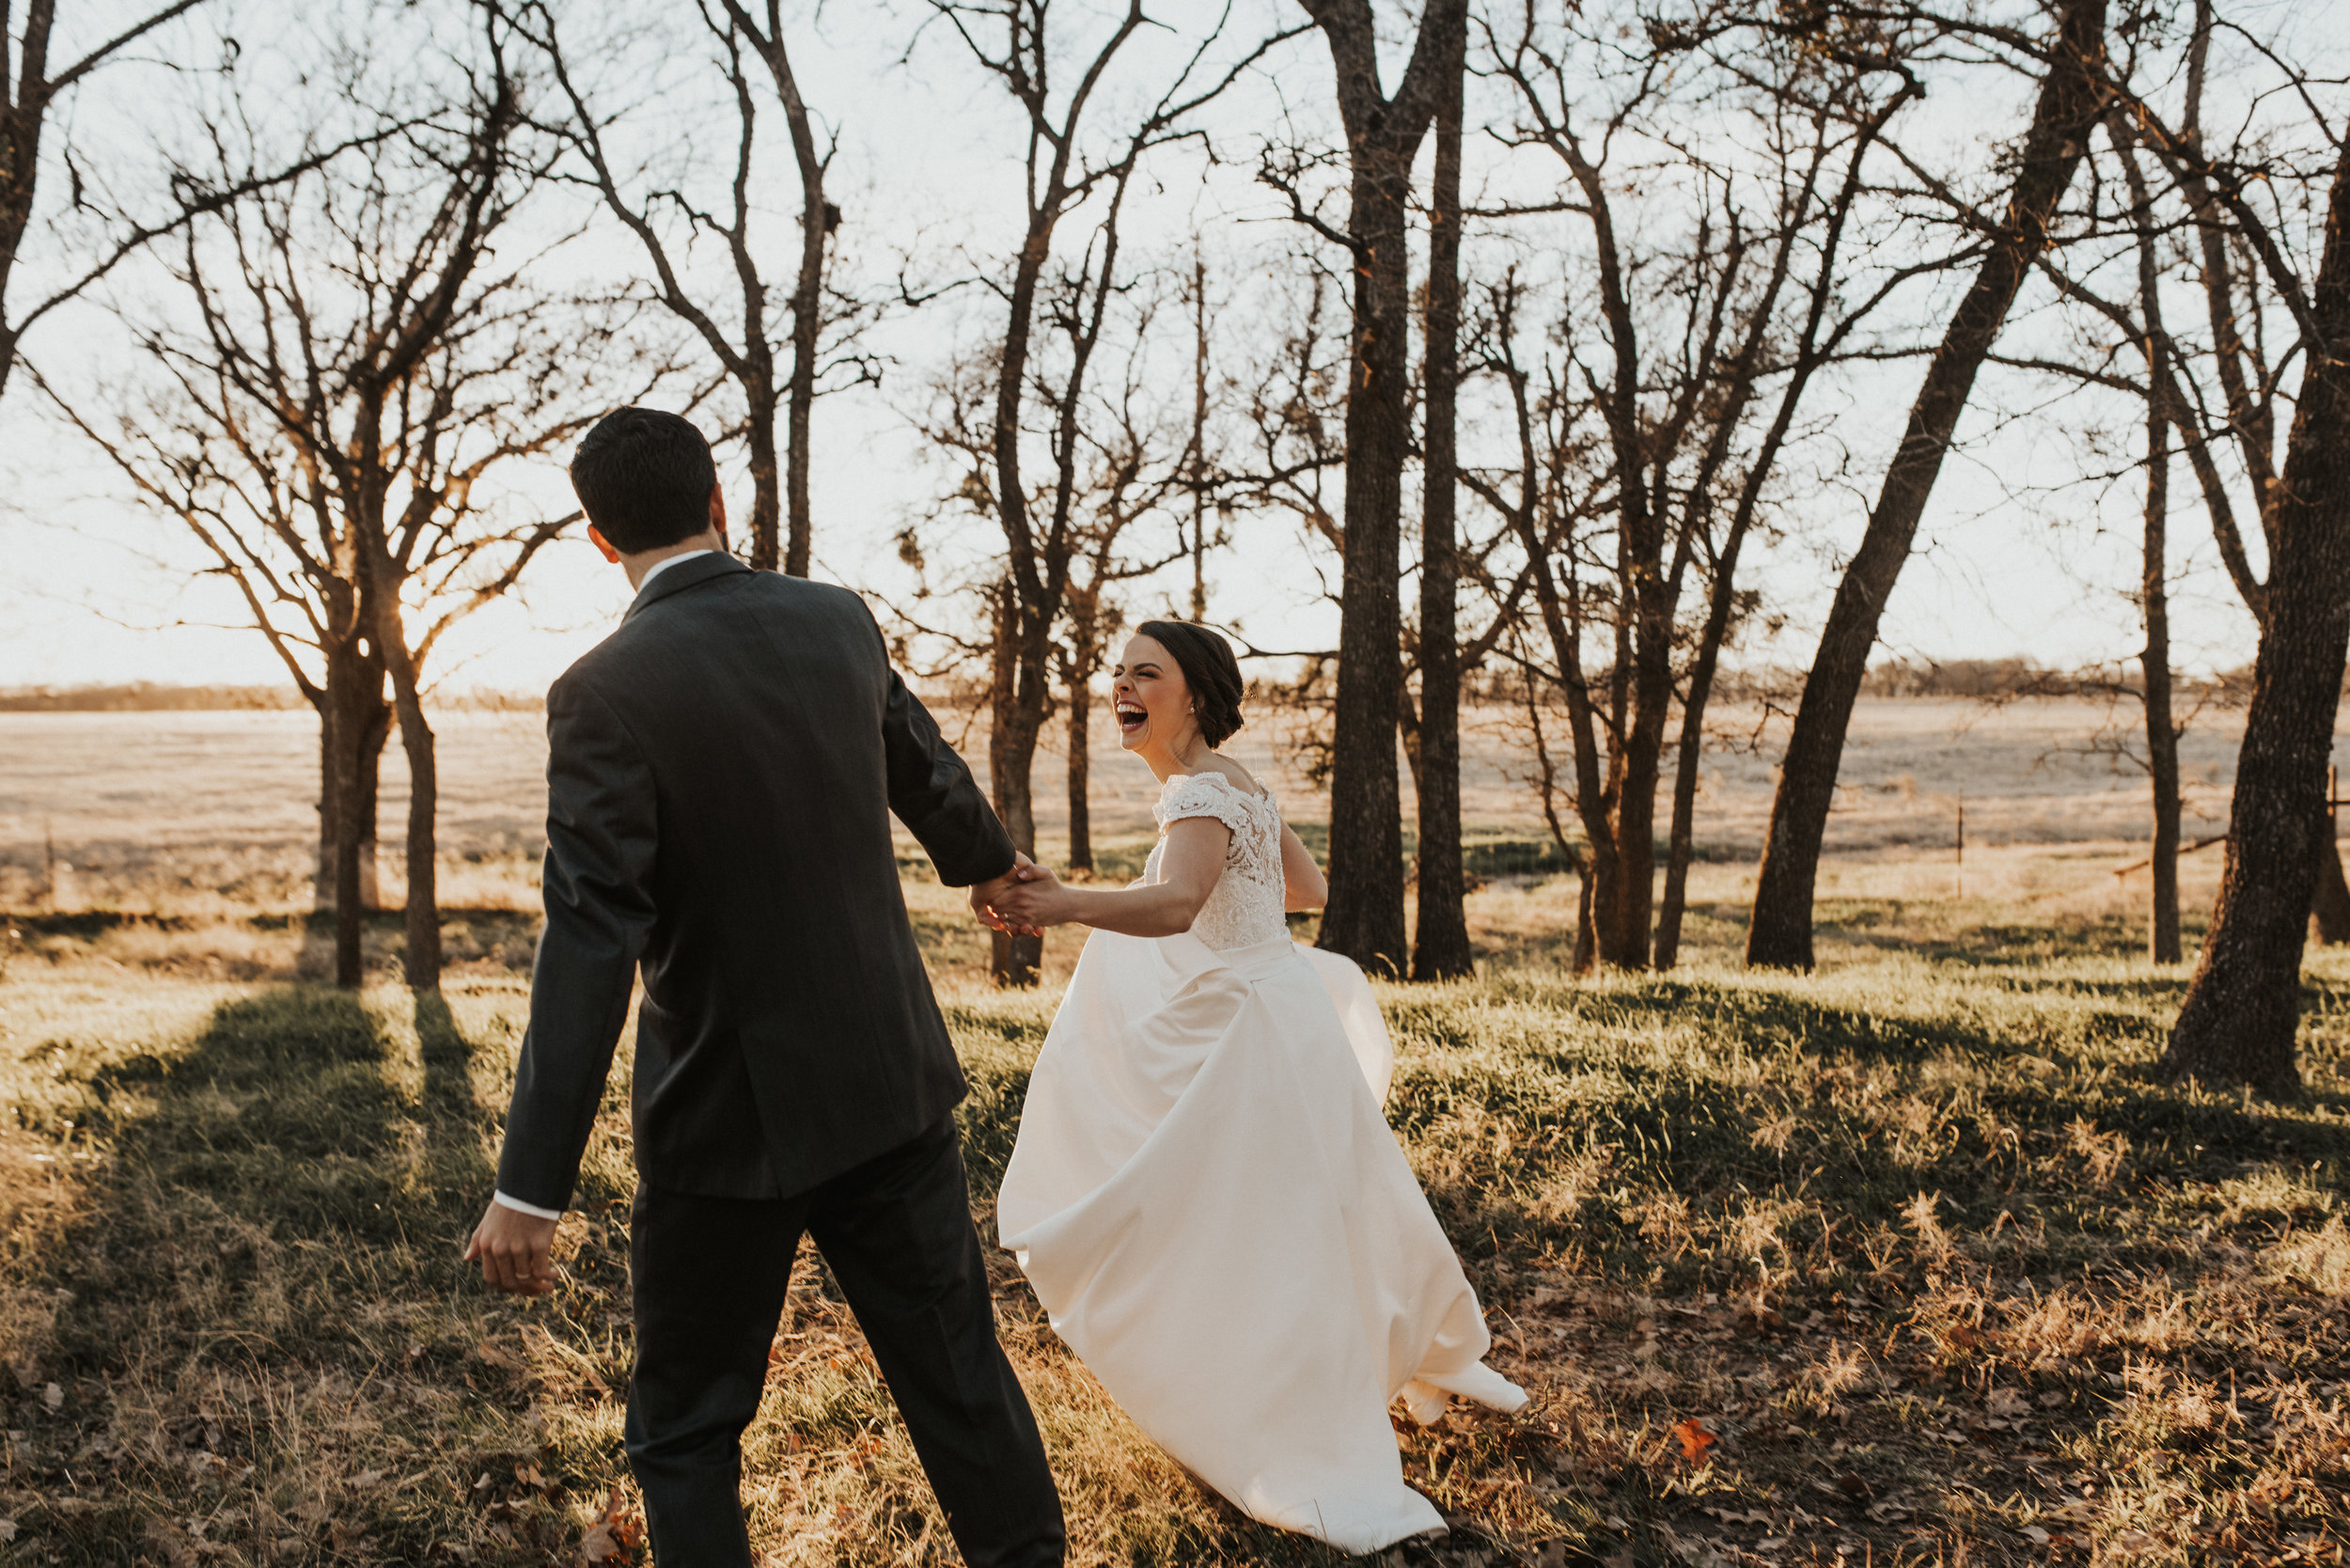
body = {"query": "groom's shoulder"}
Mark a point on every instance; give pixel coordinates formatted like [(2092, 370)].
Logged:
[(800, 602), (805, 604)]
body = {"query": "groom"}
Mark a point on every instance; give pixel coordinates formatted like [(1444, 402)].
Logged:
[(721, 772)]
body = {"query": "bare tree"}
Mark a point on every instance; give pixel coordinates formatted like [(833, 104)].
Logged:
[(2162, 727), (1638, 468), (2071, 100), (737, 334), (28, 93), (1018, 42), (1440, 940), (363, 364), (1365, 917)]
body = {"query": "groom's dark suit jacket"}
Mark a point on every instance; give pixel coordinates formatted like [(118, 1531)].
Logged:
[(721, 772)]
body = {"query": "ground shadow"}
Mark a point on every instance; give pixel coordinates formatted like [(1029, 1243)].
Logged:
[(270, 1254)]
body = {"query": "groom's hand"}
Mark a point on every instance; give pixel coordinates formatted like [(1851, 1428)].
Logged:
[(986, 896), (516, 1250)]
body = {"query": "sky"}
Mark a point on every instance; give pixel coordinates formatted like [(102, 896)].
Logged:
[(2018, 556)]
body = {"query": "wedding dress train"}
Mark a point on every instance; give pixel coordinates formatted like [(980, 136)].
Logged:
[(1211, 1208)]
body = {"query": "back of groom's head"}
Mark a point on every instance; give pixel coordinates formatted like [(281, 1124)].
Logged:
[(644, 478)]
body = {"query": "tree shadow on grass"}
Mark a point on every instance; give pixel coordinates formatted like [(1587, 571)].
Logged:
[(265, 1303)]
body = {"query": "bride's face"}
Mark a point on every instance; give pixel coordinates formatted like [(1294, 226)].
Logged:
[(1149, 698)]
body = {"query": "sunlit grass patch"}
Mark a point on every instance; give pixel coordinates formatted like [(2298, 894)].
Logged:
[(1909, 1260)]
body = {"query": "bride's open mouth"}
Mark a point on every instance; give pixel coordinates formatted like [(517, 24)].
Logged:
[(1130, 718)]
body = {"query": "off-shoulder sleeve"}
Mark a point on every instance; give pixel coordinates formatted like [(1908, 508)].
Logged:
[(1203, 794)]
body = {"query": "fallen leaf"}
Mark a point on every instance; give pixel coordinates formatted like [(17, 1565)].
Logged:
[(8, 1530), (2036, 1535), (612, 1540), (54, 1397), (1695, 1439)]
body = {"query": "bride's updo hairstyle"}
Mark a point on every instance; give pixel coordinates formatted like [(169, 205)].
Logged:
[(1209, 670)]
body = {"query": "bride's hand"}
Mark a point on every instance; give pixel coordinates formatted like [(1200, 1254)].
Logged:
[(1035, 899)]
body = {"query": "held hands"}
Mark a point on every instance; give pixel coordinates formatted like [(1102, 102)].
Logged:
[(1012, 903), (1035, 899), (515, 1250)]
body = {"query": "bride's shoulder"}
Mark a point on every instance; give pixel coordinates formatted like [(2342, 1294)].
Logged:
[(1216, 776)]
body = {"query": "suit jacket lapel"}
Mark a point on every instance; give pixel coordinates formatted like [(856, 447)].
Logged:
[(685, 574)]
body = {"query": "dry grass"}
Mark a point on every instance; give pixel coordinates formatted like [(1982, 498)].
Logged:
[(1902, 1262)]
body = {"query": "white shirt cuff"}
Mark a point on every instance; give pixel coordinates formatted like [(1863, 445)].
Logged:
[(526, 1208)]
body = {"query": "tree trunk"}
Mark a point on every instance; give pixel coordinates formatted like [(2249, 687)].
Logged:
[(353, 723), (1080, 699), (2162, 733), (2240, 1016), (1683, 846), (353, 705), (421, 961), (766, 485), (818, 218), (2162, 730), (2330, 910), (422, 965), (1440, 941), (1364, 920), (1585, 949), (1011, 738), (342, 723), (1780, 933), (1199, 454)]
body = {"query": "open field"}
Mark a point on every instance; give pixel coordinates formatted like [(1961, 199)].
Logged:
[(1935, 1273), (1906, 1262), (168, 808)]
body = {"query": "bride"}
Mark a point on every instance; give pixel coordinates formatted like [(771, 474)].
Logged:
[(1204, 1193)]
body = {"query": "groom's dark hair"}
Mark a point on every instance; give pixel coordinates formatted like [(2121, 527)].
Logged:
[(1209, 670), (644, 478)]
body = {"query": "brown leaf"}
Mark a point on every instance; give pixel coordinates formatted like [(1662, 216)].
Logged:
[(1695, 1439), (612, 1540)]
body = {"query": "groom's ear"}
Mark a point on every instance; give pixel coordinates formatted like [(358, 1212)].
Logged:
[(719, 512), (595, 537)]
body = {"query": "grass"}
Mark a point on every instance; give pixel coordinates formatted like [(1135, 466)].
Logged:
[(1907, 1261)]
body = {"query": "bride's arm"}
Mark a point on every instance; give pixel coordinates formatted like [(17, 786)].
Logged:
[(1196, 847), (1301, 878)]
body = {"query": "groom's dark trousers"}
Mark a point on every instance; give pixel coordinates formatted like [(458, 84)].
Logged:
[(721, 775), (711, 1274)]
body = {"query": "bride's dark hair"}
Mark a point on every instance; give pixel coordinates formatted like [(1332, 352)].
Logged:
[(1209, 670)]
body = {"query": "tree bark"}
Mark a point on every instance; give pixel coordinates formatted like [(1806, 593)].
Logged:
[(818, 218), (1084, 655), (2162, 733), (2070, 99), (351, 704), (2238, 1022), (1080, 777), (353, 723), (1364, 919), (2329, 911), (1440, 941), (421, 961), (1012, 737), (766, 486)]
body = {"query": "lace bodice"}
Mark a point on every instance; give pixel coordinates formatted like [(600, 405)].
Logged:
[(1246, 906)]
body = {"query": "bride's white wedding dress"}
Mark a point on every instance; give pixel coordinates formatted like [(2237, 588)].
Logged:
[(1211, 1208)]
